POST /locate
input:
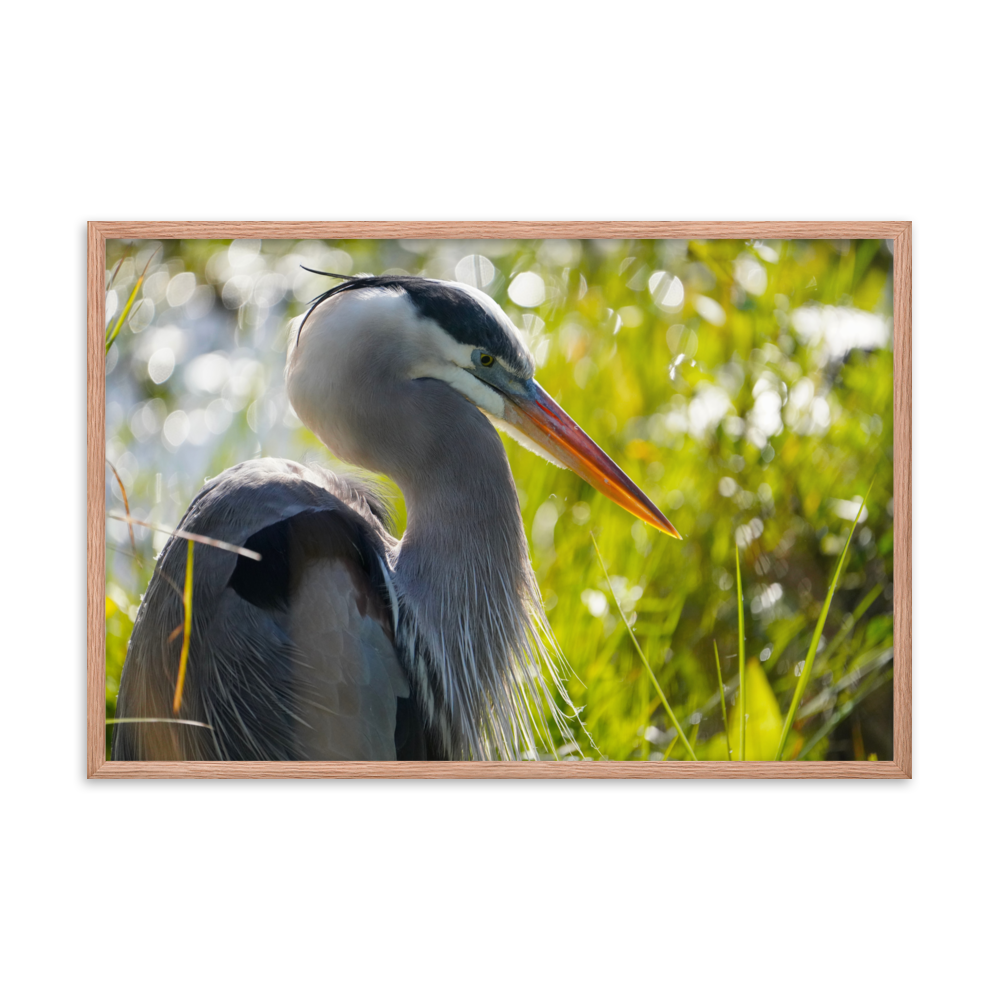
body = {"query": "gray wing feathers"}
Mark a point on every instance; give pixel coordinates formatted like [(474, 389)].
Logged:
[(348, 677), (312, 677)]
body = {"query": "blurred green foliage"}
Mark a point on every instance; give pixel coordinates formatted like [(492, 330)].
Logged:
[(745, 386)]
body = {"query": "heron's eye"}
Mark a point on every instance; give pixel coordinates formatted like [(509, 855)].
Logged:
[(485, 360)]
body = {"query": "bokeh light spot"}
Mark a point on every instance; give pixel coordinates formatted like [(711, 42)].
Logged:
[(476, 270), (667, 291), (181, 288), (161, 365), (596, 602), (243, 252), (527, 289), (175, 428), (710, 310)]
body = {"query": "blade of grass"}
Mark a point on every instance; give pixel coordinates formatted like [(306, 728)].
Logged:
[(862, 667), (642, 656), (852, 620), (173, 722), (121, 486), (191, 537), (188, 602), (800, 687), (858, 739), (872, 684), (743, 659), (114, 273), (110, 338), (722, 699)]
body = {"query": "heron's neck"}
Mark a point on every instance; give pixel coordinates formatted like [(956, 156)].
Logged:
[(467, 591)]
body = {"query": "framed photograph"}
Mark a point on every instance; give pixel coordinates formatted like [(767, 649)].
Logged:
[(499, 499)]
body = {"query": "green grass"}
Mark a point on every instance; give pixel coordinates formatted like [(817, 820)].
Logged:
[(112, 332), (645, 662), (722, 701), (806, 674), (741, 645)]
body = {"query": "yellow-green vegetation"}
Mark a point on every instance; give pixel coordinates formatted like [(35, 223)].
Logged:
[(745, 386)]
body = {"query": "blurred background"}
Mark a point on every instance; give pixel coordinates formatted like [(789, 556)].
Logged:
[(746, 386)]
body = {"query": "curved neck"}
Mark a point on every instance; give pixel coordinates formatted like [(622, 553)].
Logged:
[(467, 592)]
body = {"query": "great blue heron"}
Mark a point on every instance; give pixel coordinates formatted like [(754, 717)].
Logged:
[(342, 642)]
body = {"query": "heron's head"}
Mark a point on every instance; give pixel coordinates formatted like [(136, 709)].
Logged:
[(368, 335)]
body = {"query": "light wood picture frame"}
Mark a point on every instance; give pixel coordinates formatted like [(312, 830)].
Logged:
[(899, 232)]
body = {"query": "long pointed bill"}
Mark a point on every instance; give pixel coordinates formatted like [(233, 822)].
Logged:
[(541, 418)]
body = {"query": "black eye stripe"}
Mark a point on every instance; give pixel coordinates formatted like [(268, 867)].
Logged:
[(454, 309)]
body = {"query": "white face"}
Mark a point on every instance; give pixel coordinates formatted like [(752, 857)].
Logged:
[(446, 359), (461, 366)]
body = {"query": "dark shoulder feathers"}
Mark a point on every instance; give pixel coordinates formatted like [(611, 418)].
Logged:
[(248, 672)]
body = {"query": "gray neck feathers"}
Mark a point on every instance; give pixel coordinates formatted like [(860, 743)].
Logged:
[(471, 627)]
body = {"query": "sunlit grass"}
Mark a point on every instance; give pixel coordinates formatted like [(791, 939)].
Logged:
[(112, 333), (150, 719), (722, 701), (645, 662), (741, 645), (186, 641), (806, 674)]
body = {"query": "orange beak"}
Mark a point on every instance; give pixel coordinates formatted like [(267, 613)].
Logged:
[(539, 417)]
